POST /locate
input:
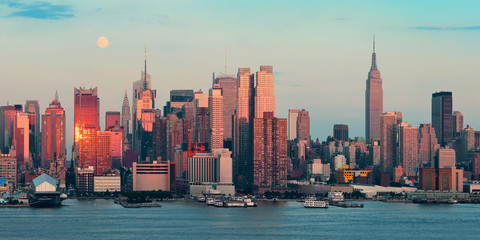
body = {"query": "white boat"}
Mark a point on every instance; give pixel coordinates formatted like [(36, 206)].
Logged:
[(218, 203), (313, 203), (210, 201), (249, 203), (452, 201), (235, 204)]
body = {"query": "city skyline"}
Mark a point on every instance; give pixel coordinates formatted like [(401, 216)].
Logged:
[(402, 51), (167, 111)]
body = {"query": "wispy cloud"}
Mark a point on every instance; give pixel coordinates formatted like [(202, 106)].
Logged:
[(38, 10), (446, 28)]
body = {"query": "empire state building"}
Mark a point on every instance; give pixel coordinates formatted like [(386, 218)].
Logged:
[(373, 101)]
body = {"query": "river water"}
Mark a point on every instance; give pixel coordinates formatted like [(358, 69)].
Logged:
[(102, 219)]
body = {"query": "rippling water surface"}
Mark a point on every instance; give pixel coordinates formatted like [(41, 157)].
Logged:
[(102, 219)]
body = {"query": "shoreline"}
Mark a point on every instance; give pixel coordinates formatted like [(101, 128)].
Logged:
[(15, 206)]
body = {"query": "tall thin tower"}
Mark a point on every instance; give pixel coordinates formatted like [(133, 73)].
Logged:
[(243, 131), (373, 101), (144, 115)]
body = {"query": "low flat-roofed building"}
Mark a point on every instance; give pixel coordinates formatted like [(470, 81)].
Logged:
[(4, 188), (371, 191), (106, 183), (472, 188), (320, 188), (151, 176), (212, 188), (437, 196), (211, 172), (84, 178)]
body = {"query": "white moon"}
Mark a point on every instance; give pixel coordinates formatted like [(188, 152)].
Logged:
[(102, 42)]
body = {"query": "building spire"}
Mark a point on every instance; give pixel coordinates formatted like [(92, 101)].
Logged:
[(373, 43), (374, 56), (56, 95), (145, 83), (125, 98)]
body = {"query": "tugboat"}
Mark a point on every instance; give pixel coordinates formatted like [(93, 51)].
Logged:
[(313, 203), (249, 202)]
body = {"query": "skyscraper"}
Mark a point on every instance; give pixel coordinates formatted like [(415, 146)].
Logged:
[(229, 91), (145, 135), (125, 121), (340, 132), (94, 150), (457, 123), (243, 131), (442, 116), (145, 106), (174, 134), (389, 123), (7, 126), (53, 133), (125, 113), (427, 145), (201, 133), (467, 141), (86, 148), (245, 100), (103, 152), (303, 127), (178, 98), (445, 158), (116, 145), (33, 110), (112, 118), (216, 117), (200, 129), (269, 152), (373, 101), (137, 88), (292, 123), (408, 152), (22, 139), (264, 96), (87, 111)]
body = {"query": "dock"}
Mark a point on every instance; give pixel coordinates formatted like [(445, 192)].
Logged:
[(347, 205), (138, 205)]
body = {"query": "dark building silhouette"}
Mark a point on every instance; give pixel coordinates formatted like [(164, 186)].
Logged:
[(243, 131), (340, 132), (442, 119)]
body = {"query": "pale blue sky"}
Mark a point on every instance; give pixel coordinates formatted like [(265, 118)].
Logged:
[(320, 50)]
